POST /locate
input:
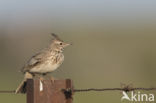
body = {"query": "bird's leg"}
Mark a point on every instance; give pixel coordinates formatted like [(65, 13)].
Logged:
[(49, 77), (36, 76), (42, 77), (45, 75), (52, 79)]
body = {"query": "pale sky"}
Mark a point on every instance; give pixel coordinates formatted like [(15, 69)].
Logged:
[(76, 13)]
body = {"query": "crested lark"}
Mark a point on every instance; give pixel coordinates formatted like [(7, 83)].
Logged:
[(45, 61)]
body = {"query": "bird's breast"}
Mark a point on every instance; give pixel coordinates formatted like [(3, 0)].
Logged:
[(50, 64)]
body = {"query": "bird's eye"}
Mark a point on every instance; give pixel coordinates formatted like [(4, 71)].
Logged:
[(60, 43)]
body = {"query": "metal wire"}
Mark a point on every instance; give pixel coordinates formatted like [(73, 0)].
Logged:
[(7, 91), (126, 89)]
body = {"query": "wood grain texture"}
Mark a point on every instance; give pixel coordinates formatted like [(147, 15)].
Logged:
[(52, 91)]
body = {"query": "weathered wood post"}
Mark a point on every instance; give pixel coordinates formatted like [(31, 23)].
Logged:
[(47, 91)]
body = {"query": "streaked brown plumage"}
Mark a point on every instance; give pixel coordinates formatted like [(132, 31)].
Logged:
[(45, 61)]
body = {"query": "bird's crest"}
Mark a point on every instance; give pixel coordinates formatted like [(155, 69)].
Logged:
[(56, 37)]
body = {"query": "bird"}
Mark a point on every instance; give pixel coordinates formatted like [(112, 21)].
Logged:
[(43, 62)]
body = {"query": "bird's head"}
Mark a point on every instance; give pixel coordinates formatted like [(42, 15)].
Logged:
[(58, 44)]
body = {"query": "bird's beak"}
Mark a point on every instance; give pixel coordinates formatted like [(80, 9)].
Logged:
[(67, 44)]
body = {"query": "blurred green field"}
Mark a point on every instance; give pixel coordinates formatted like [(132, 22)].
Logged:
[(93, 61)]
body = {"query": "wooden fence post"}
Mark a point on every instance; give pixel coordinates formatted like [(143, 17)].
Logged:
[(48, 91)]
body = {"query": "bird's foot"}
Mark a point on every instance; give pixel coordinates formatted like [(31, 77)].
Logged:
[(41, 79), (52, 79)]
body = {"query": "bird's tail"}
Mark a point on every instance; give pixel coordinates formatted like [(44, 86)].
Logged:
[(22, 87)]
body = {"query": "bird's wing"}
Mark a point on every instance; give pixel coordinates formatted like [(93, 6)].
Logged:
[(36, 59)]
